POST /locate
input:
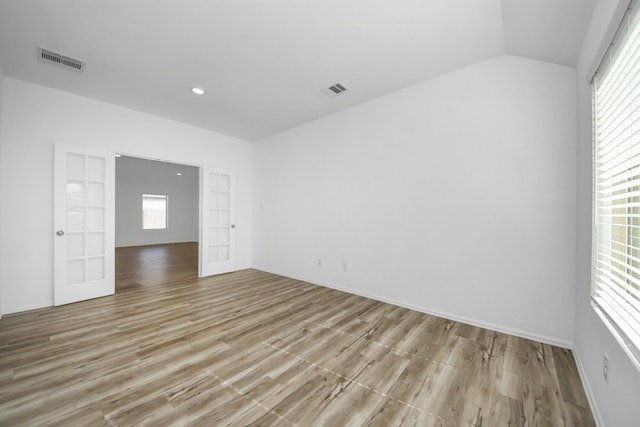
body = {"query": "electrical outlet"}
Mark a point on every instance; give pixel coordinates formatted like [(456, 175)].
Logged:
[(345, 267), (319, 262), (605, 367)]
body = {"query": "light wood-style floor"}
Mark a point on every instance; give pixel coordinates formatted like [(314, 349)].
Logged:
[(252, 348)]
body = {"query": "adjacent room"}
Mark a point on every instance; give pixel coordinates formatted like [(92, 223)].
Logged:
[(363, 213), (156, 222)]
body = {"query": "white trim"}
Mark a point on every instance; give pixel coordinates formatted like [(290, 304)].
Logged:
[(27, 307), (606, 41), (474, 322), (591, 397), (627, 346)]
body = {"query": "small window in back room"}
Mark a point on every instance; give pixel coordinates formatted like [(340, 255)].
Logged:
[(154, 211)]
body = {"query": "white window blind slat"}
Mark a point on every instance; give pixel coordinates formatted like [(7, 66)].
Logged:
[(615, 262), (619, 248), (611, 187), (610, 118), (619, 166), (623, 57), (615, 88), (619, 142), (616, 298), (615, 281)]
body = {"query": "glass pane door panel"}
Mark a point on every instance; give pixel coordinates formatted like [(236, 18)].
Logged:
[(95, 220), (225, 219), (75, 219), (75, 271), (213, 236), (75, 166), (225, 200), (223, 253), (75, 245), (213, 253), (214, 216), (95, 244), (96, 194), (95, 268), (75, 192), (214, 200), (96, 168), (225, 183), (214, 181), (223, 235)]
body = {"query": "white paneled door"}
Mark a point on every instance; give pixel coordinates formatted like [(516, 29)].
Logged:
[(84, 223), (217, 230)]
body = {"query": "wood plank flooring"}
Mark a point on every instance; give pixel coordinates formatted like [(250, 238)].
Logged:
[(157, 264), (255, 349)]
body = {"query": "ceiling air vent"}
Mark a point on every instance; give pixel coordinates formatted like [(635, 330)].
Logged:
[(335, 90), (56, 58)]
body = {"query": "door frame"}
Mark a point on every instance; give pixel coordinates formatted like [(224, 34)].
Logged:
[(201, 168)]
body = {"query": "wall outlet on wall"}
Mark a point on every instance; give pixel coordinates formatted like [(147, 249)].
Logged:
[(345, 267), (319, 262), (605, 367)]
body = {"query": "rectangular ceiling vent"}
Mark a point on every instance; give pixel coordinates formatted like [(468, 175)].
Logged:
[(335, 90), (56, 58)]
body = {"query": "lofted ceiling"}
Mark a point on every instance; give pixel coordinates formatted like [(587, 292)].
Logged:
[(264, 63)]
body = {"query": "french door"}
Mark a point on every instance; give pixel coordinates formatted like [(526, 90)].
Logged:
[(84, 223), (217, 215)]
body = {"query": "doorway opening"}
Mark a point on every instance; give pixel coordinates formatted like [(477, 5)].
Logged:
[(86, 235), (158, 264), (156, 222)]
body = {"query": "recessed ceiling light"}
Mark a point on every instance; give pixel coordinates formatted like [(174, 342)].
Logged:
[(198, 90), (118, 155), (179, 174)]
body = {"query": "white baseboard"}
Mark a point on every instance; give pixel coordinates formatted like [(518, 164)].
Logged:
[(28, 307), (434, 312), (595, 410)]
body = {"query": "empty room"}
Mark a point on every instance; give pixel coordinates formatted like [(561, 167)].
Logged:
[(398, 213)]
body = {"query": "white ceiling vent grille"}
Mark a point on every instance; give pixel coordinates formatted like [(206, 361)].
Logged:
[(335, 90), (56, 58)]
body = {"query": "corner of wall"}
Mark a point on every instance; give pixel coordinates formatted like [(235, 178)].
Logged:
[(612, 401), (591, 397)]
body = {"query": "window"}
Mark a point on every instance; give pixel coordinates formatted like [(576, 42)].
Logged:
[(154, 211), (615, 287)]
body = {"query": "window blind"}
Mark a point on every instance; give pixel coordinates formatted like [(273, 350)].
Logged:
[(615, 275)]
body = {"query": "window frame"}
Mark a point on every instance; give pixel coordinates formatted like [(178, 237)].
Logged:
[(615, 273), (148, 197)]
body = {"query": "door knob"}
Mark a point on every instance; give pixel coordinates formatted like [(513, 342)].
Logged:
[(59, 233)]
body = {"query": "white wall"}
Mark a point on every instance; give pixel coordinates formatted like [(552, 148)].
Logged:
[(33, 118), (135, 177), (615, 402), (1, 82), (455, 196)]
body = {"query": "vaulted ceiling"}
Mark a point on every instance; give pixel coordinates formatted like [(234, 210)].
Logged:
[(264, 63)]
